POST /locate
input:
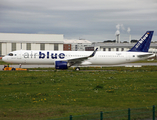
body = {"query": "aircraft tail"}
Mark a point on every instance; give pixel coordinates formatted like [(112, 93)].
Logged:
[(143, 44)]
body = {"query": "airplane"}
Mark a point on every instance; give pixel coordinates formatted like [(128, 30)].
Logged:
[(66, 59)]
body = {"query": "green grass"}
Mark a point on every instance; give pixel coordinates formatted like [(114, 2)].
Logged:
[(38, 95)]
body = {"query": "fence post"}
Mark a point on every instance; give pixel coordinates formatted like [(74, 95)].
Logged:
[(128, 113), (153, 112), (71, 117), (101, 115)]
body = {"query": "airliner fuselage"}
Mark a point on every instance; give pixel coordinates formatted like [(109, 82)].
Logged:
[(49, 57)]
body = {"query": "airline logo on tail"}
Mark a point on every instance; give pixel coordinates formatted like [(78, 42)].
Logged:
[(141, 40), (144, 43)]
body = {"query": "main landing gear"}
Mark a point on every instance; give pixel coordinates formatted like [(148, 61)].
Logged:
[(77, 69)]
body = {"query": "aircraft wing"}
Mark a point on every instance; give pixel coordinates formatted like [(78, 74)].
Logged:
[(77, 61), (145, 55)]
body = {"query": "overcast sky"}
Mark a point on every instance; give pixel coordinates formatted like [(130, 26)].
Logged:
[(94, 20)]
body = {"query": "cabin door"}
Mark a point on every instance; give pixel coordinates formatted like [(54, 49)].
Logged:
[(19, 55), (127, 56)]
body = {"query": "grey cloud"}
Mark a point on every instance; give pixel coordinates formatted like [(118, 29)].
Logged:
[(93, 20)]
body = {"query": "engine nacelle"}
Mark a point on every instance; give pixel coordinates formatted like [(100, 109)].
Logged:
[(61, 65)]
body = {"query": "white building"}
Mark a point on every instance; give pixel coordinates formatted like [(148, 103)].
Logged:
[(77, 45), (118, 46), (16, 41)]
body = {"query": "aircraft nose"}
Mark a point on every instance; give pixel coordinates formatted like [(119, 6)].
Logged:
[(4, 59)]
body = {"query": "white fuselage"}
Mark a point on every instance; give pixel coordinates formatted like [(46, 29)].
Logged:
[(49, 57)]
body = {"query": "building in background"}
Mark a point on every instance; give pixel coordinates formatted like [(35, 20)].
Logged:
[(67, 47), (17, 41), (104, 46), (77, 45), (55, 42)]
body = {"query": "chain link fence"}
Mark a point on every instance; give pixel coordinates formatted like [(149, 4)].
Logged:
[(145, 113)]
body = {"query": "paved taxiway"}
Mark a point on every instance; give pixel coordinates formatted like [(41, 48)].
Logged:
[(47, 66)]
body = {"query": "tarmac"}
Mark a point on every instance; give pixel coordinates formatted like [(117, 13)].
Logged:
[(47, 66)]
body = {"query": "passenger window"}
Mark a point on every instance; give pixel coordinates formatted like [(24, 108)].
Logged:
[(10, 54)]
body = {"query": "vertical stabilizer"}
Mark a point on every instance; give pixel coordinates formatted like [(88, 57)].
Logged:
[(143, 44)]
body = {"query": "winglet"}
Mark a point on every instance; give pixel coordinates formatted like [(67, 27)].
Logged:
[(92, 55), (143, 44)]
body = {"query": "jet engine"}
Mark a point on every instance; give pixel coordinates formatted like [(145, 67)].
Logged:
[(61, 65)]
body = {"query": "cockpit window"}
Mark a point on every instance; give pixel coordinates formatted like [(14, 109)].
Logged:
[(10, 54)]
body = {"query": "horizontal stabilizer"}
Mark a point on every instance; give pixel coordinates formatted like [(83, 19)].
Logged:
[(146, 55)]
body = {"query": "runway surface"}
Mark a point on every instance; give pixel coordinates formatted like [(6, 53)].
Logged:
[(47, 66)]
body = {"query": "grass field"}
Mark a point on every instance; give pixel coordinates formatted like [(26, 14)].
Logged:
[(38, 95)]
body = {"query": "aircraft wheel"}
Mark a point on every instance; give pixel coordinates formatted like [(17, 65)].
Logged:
[(77, 69), (13, 69)]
